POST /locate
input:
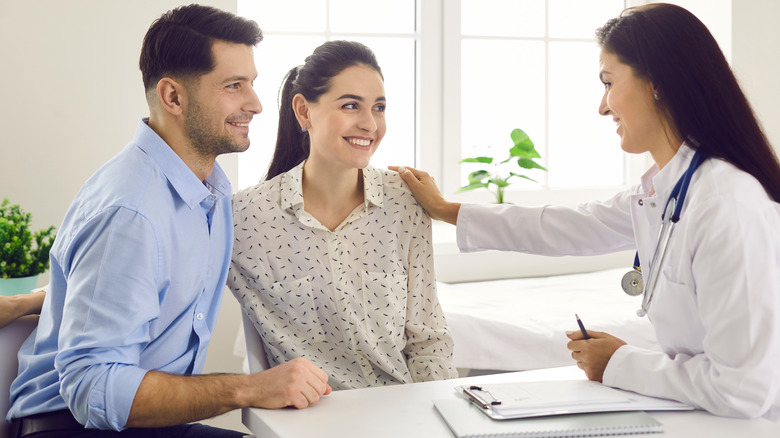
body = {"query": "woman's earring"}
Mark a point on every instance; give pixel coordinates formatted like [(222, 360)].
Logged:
[(656, 96), (303, 128)]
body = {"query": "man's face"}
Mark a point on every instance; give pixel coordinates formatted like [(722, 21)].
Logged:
[(221, 103)]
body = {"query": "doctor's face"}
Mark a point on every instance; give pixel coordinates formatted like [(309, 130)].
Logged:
[(630, 101)]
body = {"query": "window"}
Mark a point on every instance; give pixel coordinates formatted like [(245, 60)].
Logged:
[(531, 65)]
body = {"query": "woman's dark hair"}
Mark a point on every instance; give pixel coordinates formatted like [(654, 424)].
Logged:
[(312, 80), (668, 46), (179, 42)]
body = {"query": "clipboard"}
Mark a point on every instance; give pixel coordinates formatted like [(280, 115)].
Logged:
[(506, 401)]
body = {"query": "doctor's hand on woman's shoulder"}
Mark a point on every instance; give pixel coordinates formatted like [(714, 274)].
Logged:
[(592, 355), (428, 195)]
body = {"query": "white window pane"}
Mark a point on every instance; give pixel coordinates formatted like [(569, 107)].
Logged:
[(581, 18), (515, 18), (274, 57), (358, 16), (584, 150), (396, 58), (501, 91), (287, 15)]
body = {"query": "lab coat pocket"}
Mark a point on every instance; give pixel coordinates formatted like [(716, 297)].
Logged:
[(287, 310), (384, 300), (674, 313)]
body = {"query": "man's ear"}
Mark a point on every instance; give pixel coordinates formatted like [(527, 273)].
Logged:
[(301, 109), (172, 95)]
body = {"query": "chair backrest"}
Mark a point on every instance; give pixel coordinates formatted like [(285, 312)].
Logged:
[(254, 347), (12, 337)]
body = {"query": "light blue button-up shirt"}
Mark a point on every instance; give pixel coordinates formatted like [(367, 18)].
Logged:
[(137, 276)]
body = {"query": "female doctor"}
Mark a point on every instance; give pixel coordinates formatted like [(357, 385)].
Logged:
[(714, 286)]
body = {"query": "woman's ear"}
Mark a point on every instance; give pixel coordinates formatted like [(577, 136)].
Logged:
[(301, 109), (171, 95)]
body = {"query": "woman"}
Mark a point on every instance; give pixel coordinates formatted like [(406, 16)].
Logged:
[(716, 304), (332, 258)]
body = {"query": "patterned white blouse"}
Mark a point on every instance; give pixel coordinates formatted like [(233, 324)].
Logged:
[(360, 301)]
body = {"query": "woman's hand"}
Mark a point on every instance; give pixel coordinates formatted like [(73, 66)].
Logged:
[(428, 195), (17, 306), (592, 355)]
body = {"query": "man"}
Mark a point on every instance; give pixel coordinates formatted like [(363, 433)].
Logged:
[(141, 259)]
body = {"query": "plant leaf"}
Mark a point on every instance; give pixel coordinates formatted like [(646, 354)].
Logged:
[(523, 152), (478, 176), (472, 186), (484, 160), (523, 176), (528, 163)]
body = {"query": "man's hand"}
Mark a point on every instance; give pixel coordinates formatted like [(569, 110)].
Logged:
[(166, 400), (297, 383), (427, 194), (592, 355)]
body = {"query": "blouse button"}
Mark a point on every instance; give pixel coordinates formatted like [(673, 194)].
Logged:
[(199, 316), (641, 202)]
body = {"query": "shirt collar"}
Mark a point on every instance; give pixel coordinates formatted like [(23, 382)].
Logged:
[(291, 188), (665, 179), (191, 190)]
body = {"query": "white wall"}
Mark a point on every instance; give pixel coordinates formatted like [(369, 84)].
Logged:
[(72, 95), (756, 59)]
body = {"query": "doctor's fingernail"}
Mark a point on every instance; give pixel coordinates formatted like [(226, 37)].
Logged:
[(569, 332), (401, 169)]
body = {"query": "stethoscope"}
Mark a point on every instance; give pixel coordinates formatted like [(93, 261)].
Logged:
[(632, 282)]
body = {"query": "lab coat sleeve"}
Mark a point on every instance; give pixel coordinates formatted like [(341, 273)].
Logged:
[(735, 255), (592, 228)]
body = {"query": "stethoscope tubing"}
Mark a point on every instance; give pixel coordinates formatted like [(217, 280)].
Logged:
[(677, 199)]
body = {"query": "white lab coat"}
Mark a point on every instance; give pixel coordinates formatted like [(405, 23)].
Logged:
[(716, 309)]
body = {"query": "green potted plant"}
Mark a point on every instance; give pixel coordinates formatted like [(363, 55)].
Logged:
[(23, 254), (499, 174)]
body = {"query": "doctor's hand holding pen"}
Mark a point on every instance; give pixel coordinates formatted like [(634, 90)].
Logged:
[(592, 350)]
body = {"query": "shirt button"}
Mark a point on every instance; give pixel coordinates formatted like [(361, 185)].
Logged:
[(199, 316), (652, 204), (641, 202)]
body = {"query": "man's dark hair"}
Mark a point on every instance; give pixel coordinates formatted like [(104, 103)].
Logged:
[(179, 43)]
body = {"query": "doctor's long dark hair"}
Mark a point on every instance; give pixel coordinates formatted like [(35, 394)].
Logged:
[(668, 46), (312, 80)]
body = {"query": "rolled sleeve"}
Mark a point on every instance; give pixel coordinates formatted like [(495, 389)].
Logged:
[(110, 304)]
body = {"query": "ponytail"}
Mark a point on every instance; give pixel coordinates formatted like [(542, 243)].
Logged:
[(292, 143)]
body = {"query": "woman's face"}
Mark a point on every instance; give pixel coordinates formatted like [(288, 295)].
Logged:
[(347, 123), (631, 103)]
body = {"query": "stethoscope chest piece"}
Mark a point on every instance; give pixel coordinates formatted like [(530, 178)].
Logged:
[(632, 283)]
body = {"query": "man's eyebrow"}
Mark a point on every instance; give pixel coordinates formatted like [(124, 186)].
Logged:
[(238, 78), (358, 98)]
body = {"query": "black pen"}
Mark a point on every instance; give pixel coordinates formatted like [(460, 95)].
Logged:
[(582, 327)]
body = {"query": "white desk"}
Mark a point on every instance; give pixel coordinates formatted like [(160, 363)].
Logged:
[(408, 411)]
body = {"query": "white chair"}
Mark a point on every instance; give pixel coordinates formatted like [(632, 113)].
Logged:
[(255, 352), (12, 337)]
